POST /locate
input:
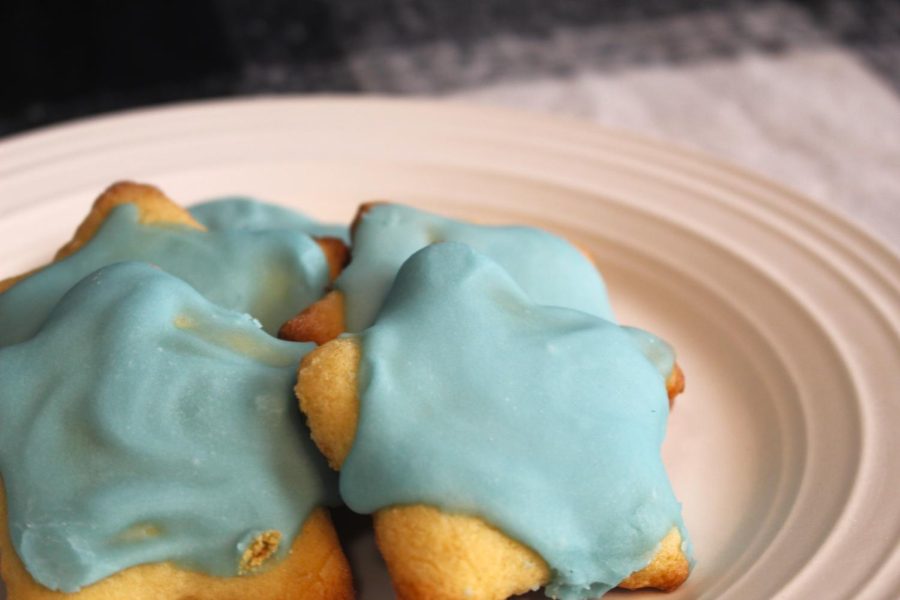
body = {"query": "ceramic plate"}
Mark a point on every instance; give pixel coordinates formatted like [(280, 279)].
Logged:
[(784, 450)]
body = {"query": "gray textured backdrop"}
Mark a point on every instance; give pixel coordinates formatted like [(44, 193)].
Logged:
[(806, 92)]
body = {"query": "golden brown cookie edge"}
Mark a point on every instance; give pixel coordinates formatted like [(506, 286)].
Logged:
[(315, 569)]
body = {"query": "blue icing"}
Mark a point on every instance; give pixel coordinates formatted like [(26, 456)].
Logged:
[(657, 350), (546, 422), (550, 270), (271, 275), (254, 215), (144, 424)]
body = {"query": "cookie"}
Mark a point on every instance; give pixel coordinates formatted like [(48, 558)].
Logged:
[(268, 274), (151, 447), (502, 445), (551, 270)]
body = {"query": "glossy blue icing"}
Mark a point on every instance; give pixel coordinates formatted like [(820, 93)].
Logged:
[(657, 350), (546, 422), (250, 214), (143, 424), (269, 274), (547, 267)]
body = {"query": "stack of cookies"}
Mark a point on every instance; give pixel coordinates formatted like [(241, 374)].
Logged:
[(470, 384)]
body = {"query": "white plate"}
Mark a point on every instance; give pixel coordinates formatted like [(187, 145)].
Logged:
[(784, 450)]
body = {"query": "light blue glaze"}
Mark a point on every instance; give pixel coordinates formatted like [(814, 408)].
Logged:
[(145, 424), (254, 215), (657, 350), (546, 422), (547, 267), (271, 275)]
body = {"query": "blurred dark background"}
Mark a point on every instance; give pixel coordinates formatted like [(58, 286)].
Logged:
[(68, 59), (805, 92)]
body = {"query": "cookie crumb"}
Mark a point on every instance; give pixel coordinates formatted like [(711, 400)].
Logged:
[(260, 550)]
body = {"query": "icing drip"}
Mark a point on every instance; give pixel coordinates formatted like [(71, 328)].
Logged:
[(657, 350)]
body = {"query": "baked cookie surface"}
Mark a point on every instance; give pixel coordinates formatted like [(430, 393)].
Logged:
[(268, 274), (541, 425), (144, 425)]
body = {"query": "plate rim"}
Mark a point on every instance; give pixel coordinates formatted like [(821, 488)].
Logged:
[(845, 226), (46, 133)]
